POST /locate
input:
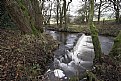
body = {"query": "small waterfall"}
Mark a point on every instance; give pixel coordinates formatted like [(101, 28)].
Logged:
[(71, 59)]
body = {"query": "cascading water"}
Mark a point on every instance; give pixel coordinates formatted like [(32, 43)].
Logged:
[(73, 59)]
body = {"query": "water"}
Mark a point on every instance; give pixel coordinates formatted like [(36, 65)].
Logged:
[(74, 55), (106, 43)]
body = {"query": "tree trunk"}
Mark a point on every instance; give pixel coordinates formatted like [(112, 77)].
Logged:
[(38, 16), (117, 16), (61, 16), (99, 11), (116, 49), (57, 12), (116, 4), (50, 13), (26, 14), (86, 12), (65, 18), (116, 8), (94, 33), (16, 13)]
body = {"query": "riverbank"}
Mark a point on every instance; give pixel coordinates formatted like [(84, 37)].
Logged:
[(108, 70), (107, 29), (24, 57)]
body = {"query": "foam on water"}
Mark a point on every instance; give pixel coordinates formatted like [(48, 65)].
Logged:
[(83, 44), (79, 59), (59, 73)]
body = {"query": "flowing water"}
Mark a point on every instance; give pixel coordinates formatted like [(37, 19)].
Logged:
[(74, 55)]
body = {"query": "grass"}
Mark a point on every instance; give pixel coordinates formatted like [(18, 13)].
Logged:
[(107, 28)]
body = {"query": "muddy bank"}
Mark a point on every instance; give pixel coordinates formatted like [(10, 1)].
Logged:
[(24, 57)]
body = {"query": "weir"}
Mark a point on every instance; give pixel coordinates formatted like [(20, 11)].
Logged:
[(74, 56)]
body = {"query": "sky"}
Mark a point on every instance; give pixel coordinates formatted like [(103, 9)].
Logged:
[(74, 6)]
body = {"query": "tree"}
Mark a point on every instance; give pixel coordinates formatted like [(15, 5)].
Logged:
[(99, 11), (116, 5), (102, 7), (47, 11), (38, 15), (61, 15), (84, 11), (65, 6), (94, 33), (57, 11), (65, 17), (62, 8), (116, 49), (26, 14)]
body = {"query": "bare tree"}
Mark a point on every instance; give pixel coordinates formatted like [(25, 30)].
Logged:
[(99, 11), (65, 6), (116, 5), (62, 7), (84, 11)]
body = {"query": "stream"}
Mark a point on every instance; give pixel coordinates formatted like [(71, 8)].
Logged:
[(74, 55)]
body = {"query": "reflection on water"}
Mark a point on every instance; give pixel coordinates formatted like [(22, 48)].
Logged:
[(74, 55), (106, 44)]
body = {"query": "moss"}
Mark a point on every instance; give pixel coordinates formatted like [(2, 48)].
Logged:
[(34, 30), (23, 7), (97, 47), (26, 14), (93, 30), (116, 50), (96, 43), (91, 76), (94, 33), (74, 78)]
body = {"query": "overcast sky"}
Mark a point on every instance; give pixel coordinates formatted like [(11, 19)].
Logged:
[(75, 5)]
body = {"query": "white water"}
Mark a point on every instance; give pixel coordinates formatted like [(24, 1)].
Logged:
[(81, 56), (78, 50), (82, 48), (59, 73)]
